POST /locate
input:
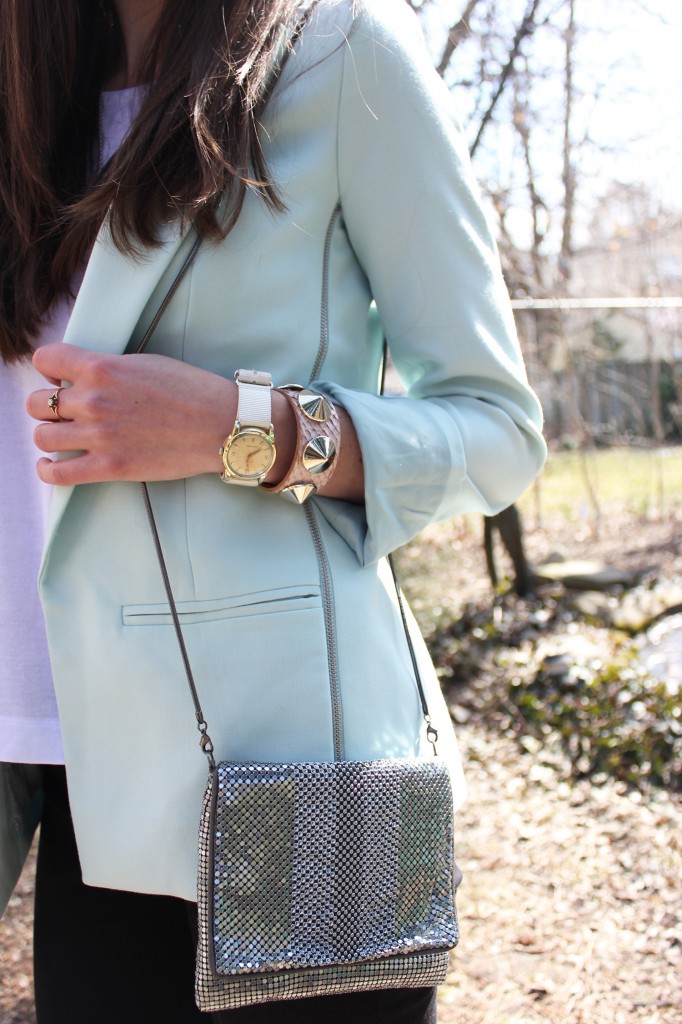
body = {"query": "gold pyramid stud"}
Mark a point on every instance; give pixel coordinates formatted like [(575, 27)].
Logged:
[(299, 493), (314, 406), (318, 453)]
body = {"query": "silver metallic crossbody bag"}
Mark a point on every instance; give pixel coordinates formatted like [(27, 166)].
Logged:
[(319, 878)]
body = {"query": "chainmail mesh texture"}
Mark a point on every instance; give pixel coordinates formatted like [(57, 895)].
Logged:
[(324, 878)]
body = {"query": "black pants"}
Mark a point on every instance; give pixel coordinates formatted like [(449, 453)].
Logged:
[(108, 957)]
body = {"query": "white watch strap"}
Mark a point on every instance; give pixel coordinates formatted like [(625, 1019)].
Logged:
[(254, 406)]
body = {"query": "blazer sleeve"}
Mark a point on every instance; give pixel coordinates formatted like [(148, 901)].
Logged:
[(467, 435)]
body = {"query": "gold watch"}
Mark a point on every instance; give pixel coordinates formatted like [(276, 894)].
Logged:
[(249, 452)]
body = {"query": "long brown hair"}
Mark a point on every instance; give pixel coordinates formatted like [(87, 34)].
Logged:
[(212, 64)]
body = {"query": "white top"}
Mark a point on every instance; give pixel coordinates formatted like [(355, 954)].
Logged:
[(29, 723)]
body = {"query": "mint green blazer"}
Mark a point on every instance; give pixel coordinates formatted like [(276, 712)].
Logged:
[(380, 204)]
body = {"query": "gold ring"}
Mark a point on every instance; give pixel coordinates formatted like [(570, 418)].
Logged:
[(53, 403)]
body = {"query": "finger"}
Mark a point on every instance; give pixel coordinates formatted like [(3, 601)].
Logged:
[(59, 437), (37, 405), (62, 362), (81, 469)]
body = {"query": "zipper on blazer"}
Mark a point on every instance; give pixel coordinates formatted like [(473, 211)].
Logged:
[(326, 587), (327, 593), (324, 305)]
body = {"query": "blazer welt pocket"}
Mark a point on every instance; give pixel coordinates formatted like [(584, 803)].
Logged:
[(262, 602)]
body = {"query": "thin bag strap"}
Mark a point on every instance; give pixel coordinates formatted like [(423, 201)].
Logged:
[(205, 742), (431, 731), (179, 277)]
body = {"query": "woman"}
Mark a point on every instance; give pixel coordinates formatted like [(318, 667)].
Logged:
[(318, 182)]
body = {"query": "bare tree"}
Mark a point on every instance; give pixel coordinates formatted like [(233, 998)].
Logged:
[(523, 119), (525, 28), (568, 174), (459, 31), (527, 88), (519, 71)]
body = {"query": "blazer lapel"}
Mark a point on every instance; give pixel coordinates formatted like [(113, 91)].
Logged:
[(111, 300), (115, 291)]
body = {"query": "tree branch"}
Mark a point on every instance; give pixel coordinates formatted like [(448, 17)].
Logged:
[(568, 174), (455, 36), (526, 28)]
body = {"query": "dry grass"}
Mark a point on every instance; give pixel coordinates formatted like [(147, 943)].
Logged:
[(570, 905), (642, 481)]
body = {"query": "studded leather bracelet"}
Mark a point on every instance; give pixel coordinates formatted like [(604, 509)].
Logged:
[(318, 438)]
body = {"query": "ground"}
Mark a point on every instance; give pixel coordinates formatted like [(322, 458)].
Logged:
[(570, 901), (570, 906)]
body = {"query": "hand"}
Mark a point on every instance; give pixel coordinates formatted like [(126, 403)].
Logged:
[(130, 417)]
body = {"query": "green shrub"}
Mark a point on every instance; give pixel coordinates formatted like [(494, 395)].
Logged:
[(530, 668), (613, 719)]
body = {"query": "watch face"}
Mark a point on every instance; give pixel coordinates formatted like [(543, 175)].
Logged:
[(250, 454)]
